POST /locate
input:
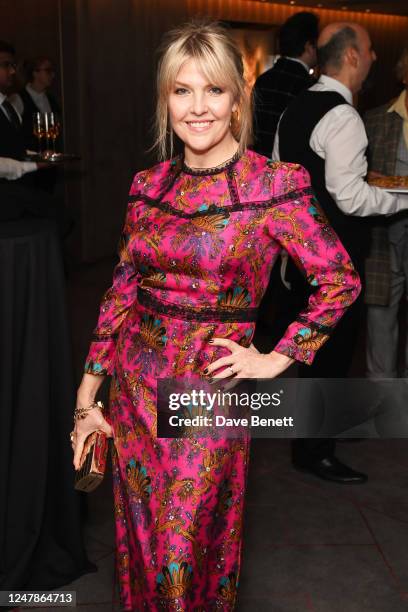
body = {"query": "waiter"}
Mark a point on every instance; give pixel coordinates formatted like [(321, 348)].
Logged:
[(18, 195), (322, 131)]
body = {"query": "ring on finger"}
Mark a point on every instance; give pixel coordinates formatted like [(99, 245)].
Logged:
[(71, 436), (232, 370)]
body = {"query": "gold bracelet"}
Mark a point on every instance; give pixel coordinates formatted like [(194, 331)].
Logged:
[(82, 413)]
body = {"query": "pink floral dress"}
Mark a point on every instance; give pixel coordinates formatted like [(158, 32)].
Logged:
[(195, 258)]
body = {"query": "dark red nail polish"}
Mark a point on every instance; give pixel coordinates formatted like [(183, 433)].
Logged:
[(206, 371)]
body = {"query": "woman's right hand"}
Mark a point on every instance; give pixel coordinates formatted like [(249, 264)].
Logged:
[(94, 421)]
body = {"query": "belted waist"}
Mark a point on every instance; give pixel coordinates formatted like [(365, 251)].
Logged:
[(190, 313)]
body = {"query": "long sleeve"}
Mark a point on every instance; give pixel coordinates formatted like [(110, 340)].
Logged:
[(301, 228), (115, 304), (12, 169), (341, 140)]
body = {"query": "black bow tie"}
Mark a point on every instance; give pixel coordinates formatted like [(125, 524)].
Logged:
[(11, 114)]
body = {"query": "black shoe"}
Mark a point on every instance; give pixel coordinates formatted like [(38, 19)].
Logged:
[(330, 468)]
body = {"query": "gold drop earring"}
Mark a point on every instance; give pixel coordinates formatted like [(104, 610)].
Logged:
[(234, 118)]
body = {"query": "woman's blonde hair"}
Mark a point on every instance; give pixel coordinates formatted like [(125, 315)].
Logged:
[(219, 59), (401, 69)]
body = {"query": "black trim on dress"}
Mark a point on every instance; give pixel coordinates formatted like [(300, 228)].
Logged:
[(190, 313), (213, 209)]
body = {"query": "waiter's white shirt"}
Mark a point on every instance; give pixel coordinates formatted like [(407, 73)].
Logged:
[(13, 169), (341, 140), (40, 99)]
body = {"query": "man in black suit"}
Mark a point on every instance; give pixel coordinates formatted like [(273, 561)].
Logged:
[(276, 87), (273, 91), (18, 194), (280, 306)]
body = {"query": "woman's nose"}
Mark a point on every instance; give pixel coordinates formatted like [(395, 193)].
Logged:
[(199, 105)]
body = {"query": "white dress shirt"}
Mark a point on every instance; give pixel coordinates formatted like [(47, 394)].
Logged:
[(40, 100), (340, 139), (13, 169), (4, 97)]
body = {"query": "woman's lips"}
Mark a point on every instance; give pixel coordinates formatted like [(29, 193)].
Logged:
[(199, 126)]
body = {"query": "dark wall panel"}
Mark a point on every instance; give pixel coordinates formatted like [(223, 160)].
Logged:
[(115, 43), (32, 27)]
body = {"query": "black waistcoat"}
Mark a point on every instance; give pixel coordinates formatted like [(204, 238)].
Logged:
[(295, 130), (12, 145), (11, 139)]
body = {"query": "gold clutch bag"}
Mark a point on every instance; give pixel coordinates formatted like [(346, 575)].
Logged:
[(93, 462)]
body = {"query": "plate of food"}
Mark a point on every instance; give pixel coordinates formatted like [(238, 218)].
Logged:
[(394, 184)]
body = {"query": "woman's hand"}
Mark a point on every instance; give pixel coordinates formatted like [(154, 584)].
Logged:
[(247, 362), (94, 421)]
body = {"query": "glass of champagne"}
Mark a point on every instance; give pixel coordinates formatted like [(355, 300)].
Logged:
[(47, 132), (38, 129), (54, 129)]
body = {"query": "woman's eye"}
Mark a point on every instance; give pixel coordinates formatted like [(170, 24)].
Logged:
[(216, 90), (180, 91)]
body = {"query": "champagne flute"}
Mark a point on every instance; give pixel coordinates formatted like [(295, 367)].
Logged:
[(57, 130), (48, 117), (38, 129), (54, 129)]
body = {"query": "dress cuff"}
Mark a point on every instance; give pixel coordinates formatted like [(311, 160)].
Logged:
[(99, 361), (302, 340)]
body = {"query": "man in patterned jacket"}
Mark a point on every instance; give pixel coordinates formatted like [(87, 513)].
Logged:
[(387, 264), (276, 87)]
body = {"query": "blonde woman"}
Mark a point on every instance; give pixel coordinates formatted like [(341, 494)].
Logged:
[(201, 235)]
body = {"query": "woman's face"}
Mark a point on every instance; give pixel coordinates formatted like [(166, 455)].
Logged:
[(200, 112)]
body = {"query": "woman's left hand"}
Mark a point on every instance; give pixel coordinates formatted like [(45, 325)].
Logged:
[(247, 362)]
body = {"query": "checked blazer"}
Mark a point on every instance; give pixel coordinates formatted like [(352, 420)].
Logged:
[(384, 131), (273, 91)]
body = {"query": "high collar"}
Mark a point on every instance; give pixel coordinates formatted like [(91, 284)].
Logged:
[(214, 170)]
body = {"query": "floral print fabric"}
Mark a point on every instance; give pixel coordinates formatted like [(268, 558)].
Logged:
[(195, 258)]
